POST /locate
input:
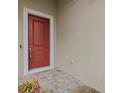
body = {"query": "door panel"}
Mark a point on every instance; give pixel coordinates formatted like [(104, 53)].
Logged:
[(39, 33), (39, 49)]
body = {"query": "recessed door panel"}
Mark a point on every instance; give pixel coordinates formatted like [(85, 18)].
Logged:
[(39, 33)]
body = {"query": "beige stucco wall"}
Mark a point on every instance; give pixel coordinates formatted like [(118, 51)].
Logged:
[(45, 6), (81, 40)]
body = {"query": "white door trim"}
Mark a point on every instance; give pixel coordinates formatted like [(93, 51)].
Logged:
[(27, 11)]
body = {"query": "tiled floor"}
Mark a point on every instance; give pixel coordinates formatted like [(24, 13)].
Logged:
[(54, 80)]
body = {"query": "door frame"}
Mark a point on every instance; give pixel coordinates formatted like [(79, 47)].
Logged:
[(27, 11)]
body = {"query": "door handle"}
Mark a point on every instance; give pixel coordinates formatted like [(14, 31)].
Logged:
[(30, 53)]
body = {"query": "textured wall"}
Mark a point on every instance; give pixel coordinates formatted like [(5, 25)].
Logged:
[(81, 40), (46, 6)]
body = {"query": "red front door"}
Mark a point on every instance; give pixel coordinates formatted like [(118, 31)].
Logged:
[(38, 42)]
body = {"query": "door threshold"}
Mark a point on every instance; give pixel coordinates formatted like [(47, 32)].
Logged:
[(36, 70)]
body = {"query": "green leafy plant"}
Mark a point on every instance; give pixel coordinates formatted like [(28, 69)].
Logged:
[(29, 87)]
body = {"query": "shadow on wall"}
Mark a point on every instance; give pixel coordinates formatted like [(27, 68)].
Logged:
[(71, 3)]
